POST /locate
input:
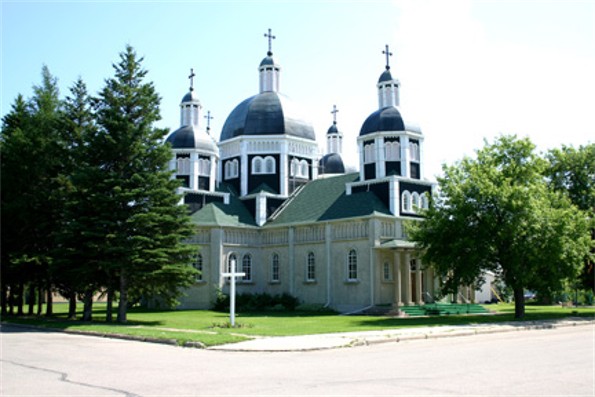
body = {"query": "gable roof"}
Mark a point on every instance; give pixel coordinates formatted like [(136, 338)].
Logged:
[(325, 199), (218, 214)]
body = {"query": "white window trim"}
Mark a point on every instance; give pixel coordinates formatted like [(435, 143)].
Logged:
[(247, 268), (198, 265), (406, 201), (351, 273), (308, 264), (260, 162), (275, 268)]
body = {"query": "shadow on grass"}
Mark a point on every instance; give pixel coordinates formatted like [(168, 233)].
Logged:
[(62, 323), (508, 317)]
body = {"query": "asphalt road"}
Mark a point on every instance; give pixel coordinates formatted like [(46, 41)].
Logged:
[(558, 362)]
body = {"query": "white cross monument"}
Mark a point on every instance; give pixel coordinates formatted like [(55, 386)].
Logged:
[(232, 293)]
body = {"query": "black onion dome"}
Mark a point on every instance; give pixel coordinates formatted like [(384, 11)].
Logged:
[(187, 137), (385, 76), (387, 119), (331, 163), (191, 96), (333, 129), (267, 61), (267, 113)]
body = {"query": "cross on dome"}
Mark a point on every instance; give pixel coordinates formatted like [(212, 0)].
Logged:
[(388, 54), (270, 37), (334, 112), (191, 77)]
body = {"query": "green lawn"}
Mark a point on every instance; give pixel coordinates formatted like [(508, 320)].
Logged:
[(211, 328)]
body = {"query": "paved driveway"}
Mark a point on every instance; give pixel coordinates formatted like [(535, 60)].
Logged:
[(530, 363)]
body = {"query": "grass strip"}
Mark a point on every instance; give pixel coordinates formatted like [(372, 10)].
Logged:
[(212, 328)]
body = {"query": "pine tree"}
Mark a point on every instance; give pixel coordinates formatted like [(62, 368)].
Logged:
[(143, 225), (75, 267), (15, 127), (31, 152)]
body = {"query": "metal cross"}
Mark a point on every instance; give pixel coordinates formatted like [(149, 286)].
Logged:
[(191, 77), (270, 37), (209, 118), (388, 54), (334, 112)]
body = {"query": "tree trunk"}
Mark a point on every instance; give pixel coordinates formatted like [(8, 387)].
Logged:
[(19, 297), (10, 299), (39, 299), (519, 302), (49, 305), (88, 305), (123, 303), (4, 300), (72, 305), (110, 305), (31, 299)]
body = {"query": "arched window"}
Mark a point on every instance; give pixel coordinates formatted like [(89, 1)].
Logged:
[(183, 165), (197, 264), (257, 165), (269, 165), (425, 201), (299, 168), (406, 201), (415, 203), (414, 151), (369, 155), (392, 151), (235, 168), (231, 169), (204, 167), (247, 267), (352, 265), (311, 267), (275, 268), (303, 169), (232, 259)]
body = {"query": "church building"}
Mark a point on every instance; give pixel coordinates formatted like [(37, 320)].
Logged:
[(266, 200)]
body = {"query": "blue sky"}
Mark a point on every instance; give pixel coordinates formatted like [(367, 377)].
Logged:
[(469, 70)]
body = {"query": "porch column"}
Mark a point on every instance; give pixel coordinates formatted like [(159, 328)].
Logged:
[(397, 281), (407, 279), (418, 286)]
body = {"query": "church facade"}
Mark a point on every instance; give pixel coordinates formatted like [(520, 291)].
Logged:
[(267, 203)]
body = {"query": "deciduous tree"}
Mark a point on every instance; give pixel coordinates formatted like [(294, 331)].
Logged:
[(495, 212)]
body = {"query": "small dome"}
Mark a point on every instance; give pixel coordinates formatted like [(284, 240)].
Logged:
[(188, 137), (267, 61), (332, 163), (385, 76), (191, 96), (267, 113), (333, 129), (387, 119)]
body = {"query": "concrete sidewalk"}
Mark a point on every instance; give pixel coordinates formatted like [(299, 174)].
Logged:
[(348, 339)]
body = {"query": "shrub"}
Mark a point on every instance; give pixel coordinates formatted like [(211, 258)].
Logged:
[(258, 302)]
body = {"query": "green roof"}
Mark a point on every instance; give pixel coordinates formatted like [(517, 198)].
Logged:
[(263, 187), (325, 199), (219, 214)]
